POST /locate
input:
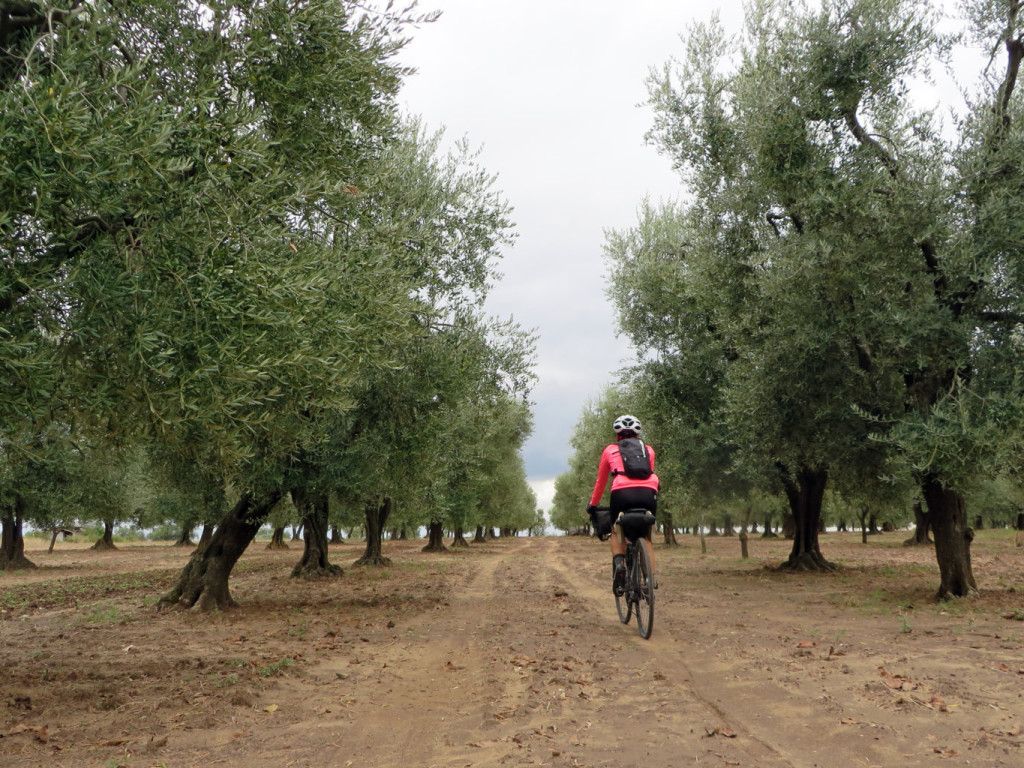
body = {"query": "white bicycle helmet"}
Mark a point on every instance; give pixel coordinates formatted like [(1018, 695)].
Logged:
[(627, 424)]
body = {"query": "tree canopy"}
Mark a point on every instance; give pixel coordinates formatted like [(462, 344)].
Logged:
[(837, 297), (223, 244)]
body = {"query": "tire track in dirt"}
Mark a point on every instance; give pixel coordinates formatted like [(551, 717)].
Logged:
[(435, 694), (689, 720), (774, 725), (527, 665)]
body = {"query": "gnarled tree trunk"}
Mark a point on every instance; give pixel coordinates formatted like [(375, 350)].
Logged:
[(953, 539), (862, 516), (805, 494), (478, 537), (459, 540), (376, 513), (435, 538), (668, 528), (185, 539), (204, 580), (922, 526), (12, 537), (105, 542), (277, 540), (314, 563)]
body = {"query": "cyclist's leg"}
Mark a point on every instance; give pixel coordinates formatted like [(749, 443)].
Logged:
[(617, 542)]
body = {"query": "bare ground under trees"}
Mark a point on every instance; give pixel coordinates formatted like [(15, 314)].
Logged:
[(509, 653)]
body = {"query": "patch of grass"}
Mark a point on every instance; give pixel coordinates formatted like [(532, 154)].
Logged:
[(876, 599), (105, 614), (69, 592), (905, 628), (276, 668), (222, 681)]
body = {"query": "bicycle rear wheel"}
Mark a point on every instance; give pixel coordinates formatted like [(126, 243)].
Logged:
[(623, 604), (644, 590)]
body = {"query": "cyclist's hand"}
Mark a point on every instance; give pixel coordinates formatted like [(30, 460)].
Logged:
[(591, 509)]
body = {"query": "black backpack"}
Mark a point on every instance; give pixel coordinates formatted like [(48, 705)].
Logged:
[(635, 461)]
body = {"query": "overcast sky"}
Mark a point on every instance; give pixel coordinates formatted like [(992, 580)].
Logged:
[(553, 92)]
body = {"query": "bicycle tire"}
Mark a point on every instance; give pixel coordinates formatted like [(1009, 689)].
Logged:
[(623, 604), (643, 591)]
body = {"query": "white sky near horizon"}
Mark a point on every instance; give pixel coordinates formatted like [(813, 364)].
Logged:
[(552, 93)]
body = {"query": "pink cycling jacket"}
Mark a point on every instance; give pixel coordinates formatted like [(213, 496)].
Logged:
[(611, 464)]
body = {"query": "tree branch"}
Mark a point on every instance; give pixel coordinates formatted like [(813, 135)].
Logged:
[(865, 360), (865, 139)]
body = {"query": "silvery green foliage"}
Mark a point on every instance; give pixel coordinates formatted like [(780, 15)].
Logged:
[(842, 276), (187, 218)]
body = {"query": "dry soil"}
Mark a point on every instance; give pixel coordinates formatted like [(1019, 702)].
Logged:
[(510, 653)]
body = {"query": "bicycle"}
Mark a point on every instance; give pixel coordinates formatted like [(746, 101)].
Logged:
[(637, 596)]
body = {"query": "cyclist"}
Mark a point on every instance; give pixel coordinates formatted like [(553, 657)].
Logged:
[(627, 493)]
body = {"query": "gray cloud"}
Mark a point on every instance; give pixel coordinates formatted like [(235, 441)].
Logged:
[(550, 90)]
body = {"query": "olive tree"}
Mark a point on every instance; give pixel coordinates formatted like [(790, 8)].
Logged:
[(861, 278), (188, 246)]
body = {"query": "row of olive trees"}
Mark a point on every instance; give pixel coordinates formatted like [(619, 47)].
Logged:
[(223, 246), (837, 301), (711, 497)]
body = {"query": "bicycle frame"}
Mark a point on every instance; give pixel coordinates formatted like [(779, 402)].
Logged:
[(638, 595)]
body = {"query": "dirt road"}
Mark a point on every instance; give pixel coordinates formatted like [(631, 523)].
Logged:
[(511, 654)]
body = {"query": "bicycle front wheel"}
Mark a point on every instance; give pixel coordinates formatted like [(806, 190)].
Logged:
[(644, 572)]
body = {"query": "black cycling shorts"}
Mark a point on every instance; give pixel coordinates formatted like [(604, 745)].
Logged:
[(634, 498)]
